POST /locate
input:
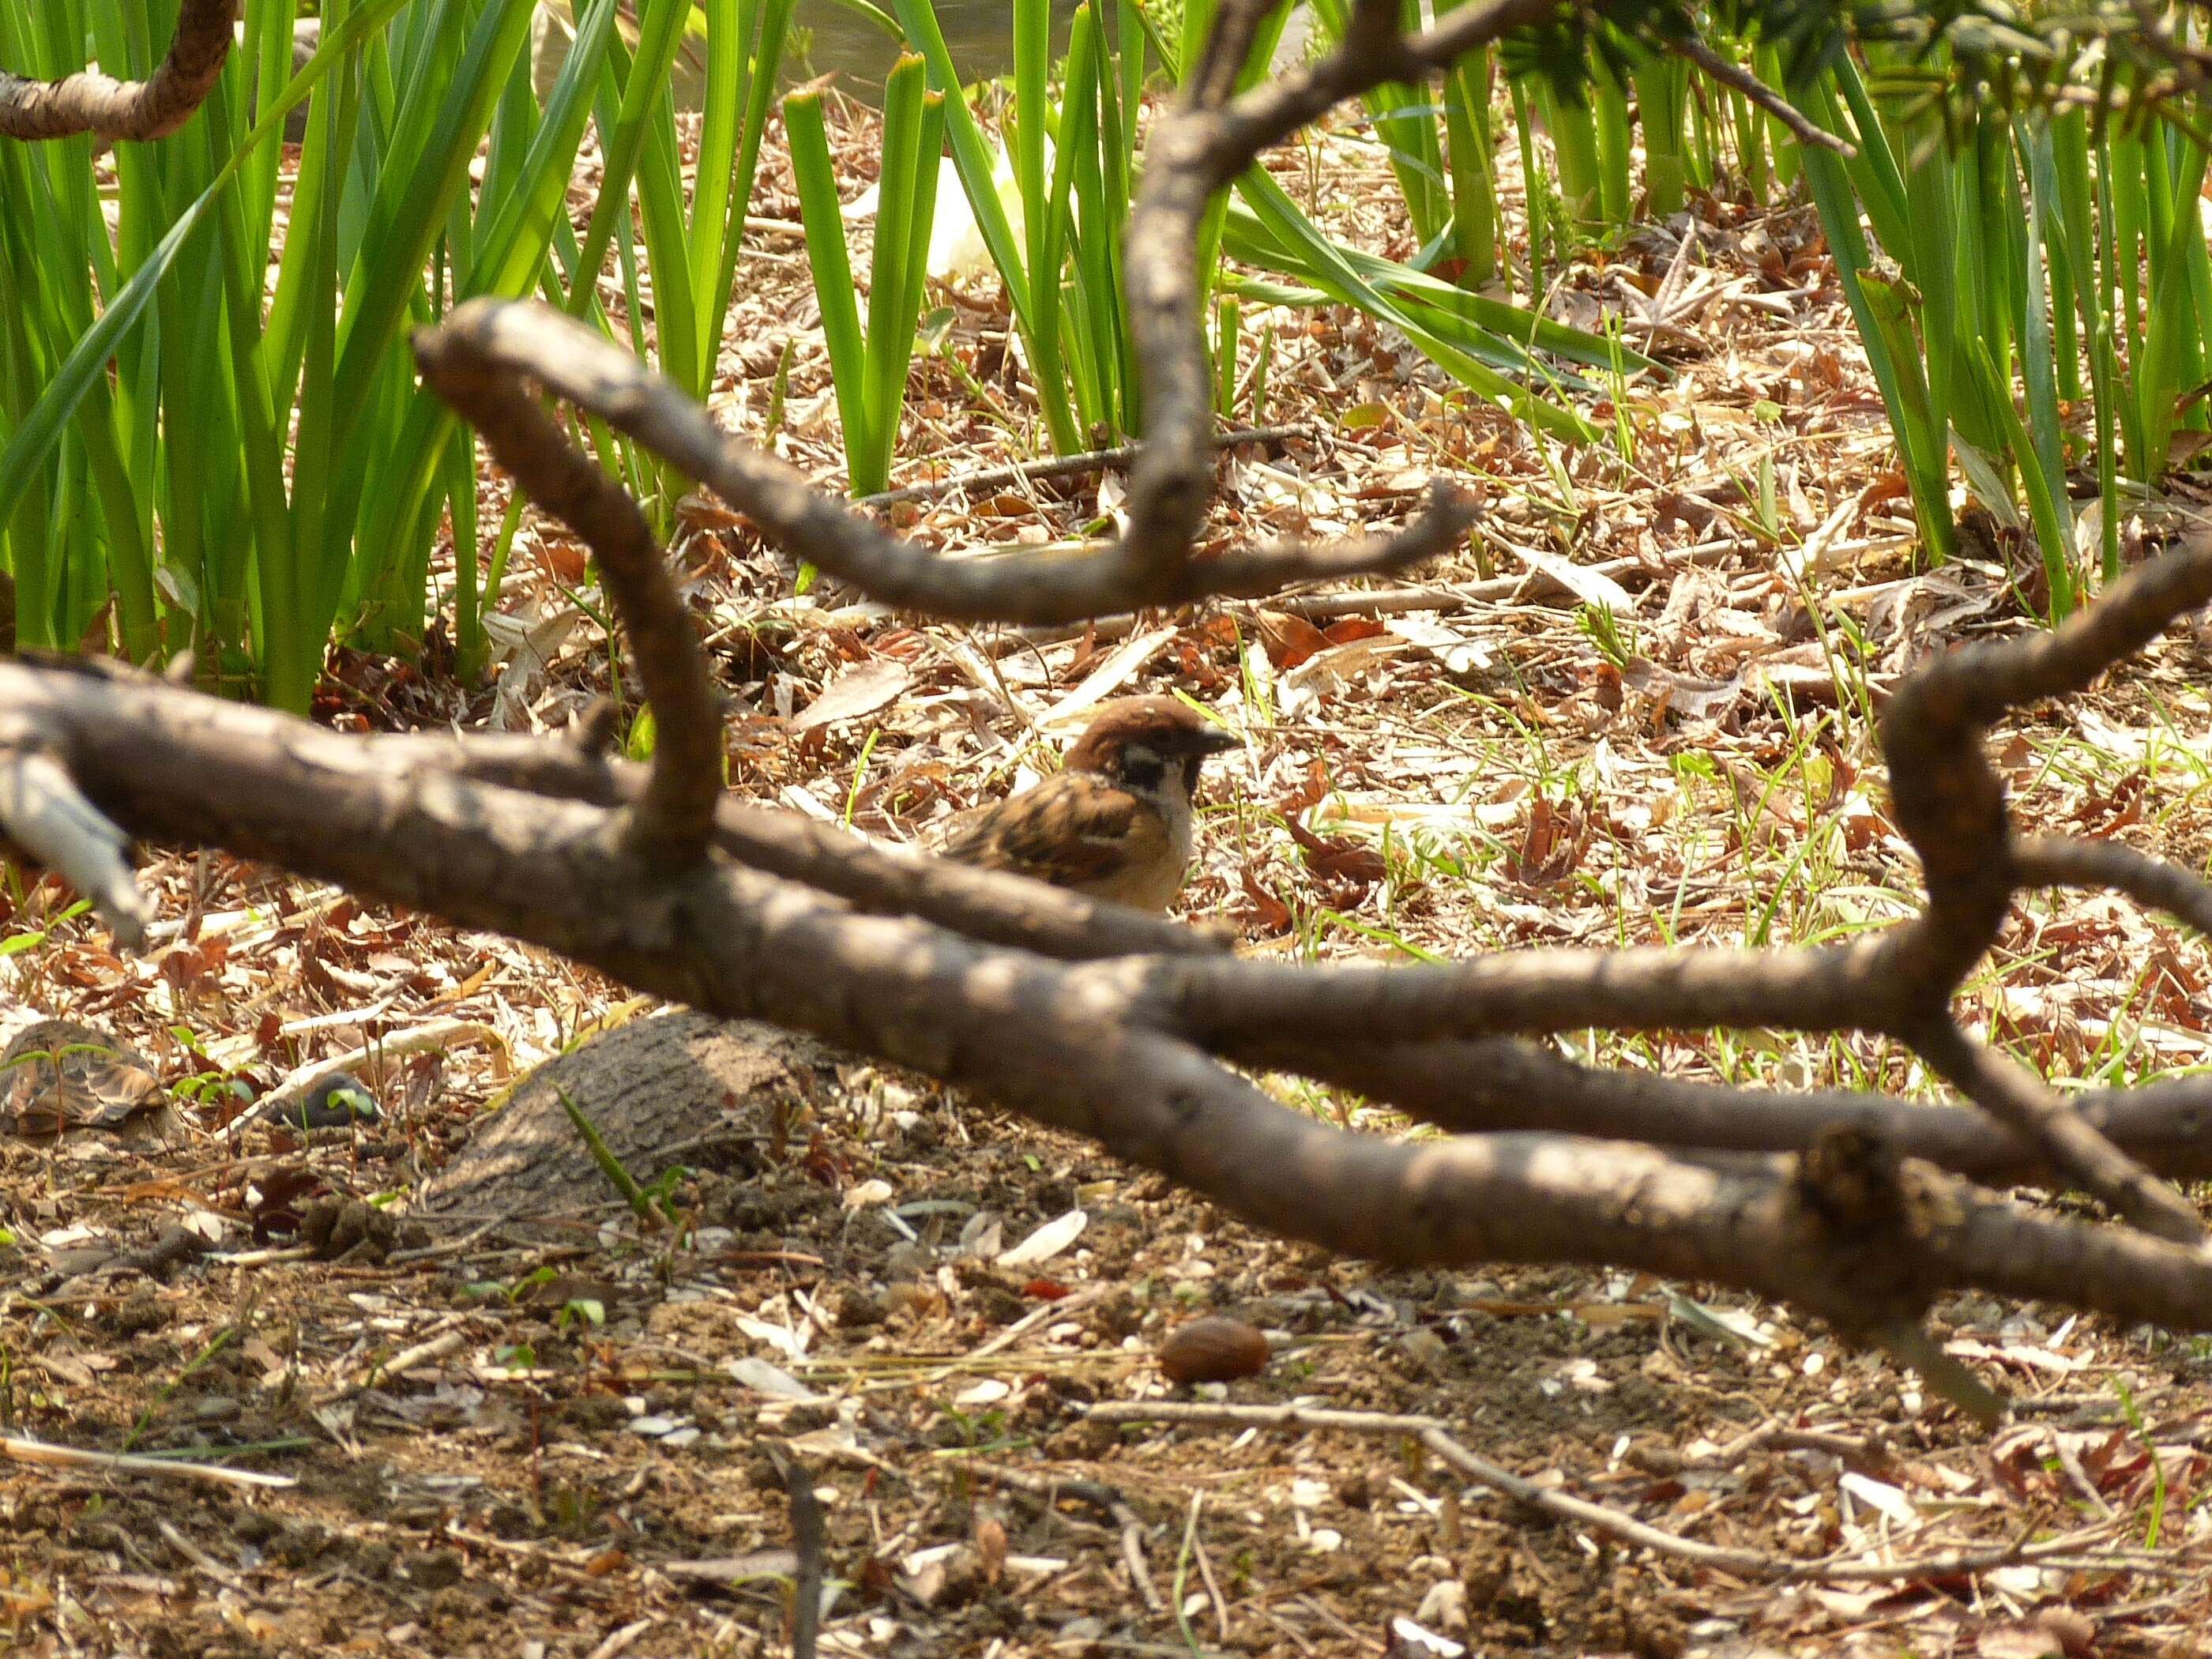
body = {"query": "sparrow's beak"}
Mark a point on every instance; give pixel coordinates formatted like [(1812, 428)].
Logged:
[(1215, 740)]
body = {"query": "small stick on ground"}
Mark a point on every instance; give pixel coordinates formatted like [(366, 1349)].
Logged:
[(442, 1347), (807, 1538), (1432, 1433), (1133, 1553), (19, 1451)]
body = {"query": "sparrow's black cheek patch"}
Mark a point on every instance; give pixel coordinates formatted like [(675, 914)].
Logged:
[(1142, 769)]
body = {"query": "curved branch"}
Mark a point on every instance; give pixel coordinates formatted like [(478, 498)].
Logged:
[(988, 906), (126, 111), (1693, 49), (575, 362), (675, 813), (2024, 1102), (1497, 1085), (1055, 1041), (1199, 150), (579, 861), (2152, 883), (1950, 804)]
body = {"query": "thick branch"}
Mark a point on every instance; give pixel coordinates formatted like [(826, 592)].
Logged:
[(1950, 804), (1531, 993), (986, 906), (1061, 1043), (43, 813), (1499, 1084), (1198, 150), (121, 111), (2024, 1102)]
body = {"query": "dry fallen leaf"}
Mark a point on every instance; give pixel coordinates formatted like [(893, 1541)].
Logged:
[(861, 691), (1290, 639), (2022, 1641), (1338, 861), (990, 1548), (1684, 694), (1268, 915)]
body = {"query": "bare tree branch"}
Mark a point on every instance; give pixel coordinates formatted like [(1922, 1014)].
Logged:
[(1693, 49), (1100, 1023), (120, 111), (988, 906), (582, 366), (1052, 1040), (1498, 1084), (2062, 862), (42, 813), (675, 813), (2024, 1102), (1061, 466)]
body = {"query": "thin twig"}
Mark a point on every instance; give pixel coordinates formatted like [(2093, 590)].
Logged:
[(807, 1539), (1740, 79), (20, 1450), (1206, 1572), (1749, 1564), (2152, 883), (407, 1359), (1062, 466), (1431, 1432), (199, 1557), (1051, 1488), (1133, 1554)]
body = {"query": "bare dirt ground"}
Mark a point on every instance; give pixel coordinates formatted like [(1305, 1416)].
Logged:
[(571, 1438)]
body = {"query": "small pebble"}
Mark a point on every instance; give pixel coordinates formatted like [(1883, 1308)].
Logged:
[(1214, 1349)]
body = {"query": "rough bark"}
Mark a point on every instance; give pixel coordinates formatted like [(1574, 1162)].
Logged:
[(118, 111)]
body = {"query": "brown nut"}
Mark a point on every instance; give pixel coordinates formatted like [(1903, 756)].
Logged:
[(1212, 1350)]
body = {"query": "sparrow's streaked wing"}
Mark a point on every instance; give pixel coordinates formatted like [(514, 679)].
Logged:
[(1074, 830)]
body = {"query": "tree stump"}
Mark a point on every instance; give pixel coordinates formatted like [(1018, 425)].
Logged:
[(684, 1089)]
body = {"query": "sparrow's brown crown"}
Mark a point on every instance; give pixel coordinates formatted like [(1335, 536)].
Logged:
[(1143, 734)]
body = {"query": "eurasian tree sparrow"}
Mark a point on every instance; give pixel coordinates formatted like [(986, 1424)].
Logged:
[(1115, 823)]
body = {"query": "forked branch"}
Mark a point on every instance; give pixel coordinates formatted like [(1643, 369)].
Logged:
[(1132, 1032)]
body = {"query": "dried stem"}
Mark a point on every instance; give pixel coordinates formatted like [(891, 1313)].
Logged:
[(1434, 1434)]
